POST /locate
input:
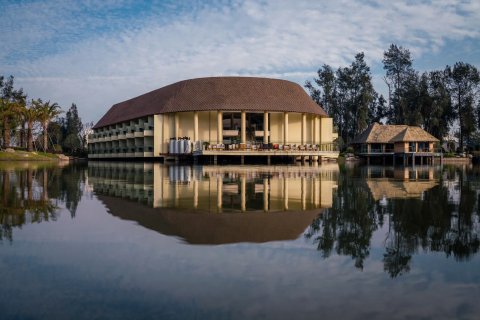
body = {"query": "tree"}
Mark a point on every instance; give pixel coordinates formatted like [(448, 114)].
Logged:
[(47, 112), (30, 115), (399, 76), (73, 123), (377, 110), (73, 128), (72, 143), (463, 84), (11, 102), (348, 96), (325, 94), (435, 103)]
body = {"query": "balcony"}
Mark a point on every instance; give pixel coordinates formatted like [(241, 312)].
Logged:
[(259, 133), (130, 135), (138, 134), (230, 133), (148, 133)]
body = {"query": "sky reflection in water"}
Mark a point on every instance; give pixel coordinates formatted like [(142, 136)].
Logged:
[(133, 240)]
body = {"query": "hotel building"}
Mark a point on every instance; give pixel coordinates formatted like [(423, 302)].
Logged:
[(217, 116)]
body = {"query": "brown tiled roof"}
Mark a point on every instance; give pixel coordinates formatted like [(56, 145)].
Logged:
[(216, 93), (378, 133)]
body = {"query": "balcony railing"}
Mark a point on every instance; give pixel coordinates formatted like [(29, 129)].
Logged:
[(265, 147)]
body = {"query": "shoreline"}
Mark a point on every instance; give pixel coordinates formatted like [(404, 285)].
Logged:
[(31, 156)]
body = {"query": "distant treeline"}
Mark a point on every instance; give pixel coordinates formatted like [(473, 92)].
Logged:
[(439, 101), (34, 124)]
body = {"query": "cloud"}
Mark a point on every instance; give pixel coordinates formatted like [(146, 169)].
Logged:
[(99, 56)]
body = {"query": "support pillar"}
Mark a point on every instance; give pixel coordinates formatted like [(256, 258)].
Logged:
[(265, 128), (285, 128), (219, 126), (195, 126), (304, 128), (177, 125), (268, 160), (242, 160), (243, 131)]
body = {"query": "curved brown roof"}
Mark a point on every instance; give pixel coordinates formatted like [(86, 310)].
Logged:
[(216, 93)]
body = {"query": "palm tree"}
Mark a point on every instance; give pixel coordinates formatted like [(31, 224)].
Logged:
[(47, 112), (9, 110), (31, 115)]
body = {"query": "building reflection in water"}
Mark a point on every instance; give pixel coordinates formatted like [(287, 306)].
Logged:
[(400, 182), (238, 204)]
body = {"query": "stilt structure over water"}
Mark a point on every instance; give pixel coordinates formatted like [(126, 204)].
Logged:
[(395, 144)]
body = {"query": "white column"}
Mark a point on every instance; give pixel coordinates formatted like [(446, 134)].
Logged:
[(195, 126), (285, 127), (219, 127), (265, 127), (243, 132), (304, 128), (177, 125)]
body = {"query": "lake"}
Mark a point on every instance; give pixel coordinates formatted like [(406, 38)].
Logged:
[(116, 240)]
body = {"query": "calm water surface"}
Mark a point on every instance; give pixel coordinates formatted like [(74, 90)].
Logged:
[(151, 241)]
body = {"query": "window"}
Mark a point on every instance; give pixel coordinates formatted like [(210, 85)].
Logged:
[(412, 147)]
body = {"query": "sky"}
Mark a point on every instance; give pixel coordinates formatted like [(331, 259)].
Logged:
[(98, 53)]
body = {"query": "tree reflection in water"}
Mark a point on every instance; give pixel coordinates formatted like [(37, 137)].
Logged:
[(31, 192), (441, 218)]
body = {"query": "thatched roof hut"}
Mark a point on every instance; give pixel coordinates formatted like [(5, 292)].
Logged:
[(378, 133)]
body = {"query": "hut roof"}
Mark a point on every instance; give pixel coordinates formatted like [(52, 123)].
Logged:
[(378, 133)]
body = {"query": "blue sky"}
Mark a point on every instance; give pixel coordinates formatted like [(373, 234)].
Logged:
[(97, 53)]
